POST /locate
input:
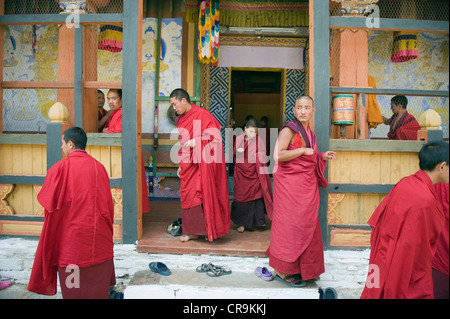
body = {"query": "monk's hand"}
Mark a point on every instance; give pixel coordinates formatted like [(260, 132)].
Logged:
[(329, 155), (178, 171), (190, 143), (240, 150), (308, 151)]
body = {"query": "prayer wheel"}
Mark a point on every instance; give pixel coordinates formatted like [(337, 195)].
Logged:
[(343, 111)]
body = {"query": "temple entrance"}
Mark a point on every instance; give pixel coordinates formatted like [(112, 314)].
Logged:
[(256, 93)]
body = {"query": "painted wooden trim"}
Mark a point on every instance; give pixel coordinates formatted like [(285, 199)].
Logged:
[(23, 139), (129, 137), (39, 180), (360, 188), (353, 90), (321, 94), (375, 145), (22, 179), (101, 85), (78, 76), (102, 18), (54, 153), (37, 85), (22, 218), (102, 139), (389, 24)]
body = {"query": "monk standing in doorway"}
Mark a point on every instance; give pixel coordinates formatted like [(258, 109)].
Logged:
[(205, 206)]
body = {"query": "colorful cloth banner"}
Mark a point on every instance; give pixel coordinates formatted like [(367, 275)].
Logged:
[(208, 29)]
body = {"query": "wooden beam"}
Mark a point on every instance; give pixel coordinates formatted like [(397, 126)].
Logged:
[(59, 18), (37, 85), (101, 85), (389, 24)]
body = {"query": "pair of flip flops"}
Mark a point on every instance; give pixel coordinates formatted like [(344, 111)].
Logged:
[(292, 280), (263, 273), (213, 270), (159, 268)]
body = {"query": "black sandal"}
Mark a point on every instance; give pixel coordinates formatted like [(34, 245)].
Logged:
[(217, 271)]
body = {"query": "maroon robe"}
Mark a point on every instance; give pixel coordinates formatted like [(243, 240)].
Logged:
[(441, 258), (251, 176), (295, 239), (203, 177), (406, 227), (405, 129), (78, 221)]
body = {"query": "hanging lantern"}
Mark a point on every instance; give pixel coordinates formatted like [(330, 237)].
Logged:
[(405, 47), (208, 29), (110, 38), (343, 111)]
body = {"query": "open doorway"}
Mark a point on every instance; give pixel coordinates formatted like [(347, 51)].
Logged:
[(257, 93)]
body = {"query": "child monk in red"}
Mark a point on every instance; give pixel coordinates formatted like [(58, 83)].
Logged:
[(252, 186)]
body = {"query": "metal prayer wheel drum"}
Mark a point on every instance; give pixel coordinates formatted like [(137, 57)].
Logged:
[(343, 111)]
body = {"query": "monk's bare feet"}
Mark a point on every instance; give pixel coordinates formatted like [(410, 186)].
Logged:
[(240, 229), (185, 238), (292, 279)]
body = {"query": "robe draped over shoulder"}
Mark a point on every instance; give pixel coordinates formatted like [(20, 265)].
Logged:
[(203, 177), (78, 221), (406, 227)]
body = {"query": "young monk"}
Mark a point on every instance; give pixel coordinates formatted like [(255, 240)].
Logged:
[(406, 228), (77, 237), (252, 186)]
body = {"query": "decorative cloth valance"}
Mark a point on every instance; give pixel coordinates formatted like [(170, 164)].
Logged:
[(256, 13)]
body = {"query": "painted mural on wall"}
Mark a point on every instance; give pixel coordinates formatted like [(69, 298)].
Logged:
[(30, 54), (170, 69), (430, 71)]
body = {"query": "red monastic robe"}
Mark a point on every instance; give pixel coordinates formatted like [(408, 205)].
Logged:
[(114, 123), (295, 235), (78, 222), (405, 129), (203, 177), (251, 176), (406, 227), (441, 258)]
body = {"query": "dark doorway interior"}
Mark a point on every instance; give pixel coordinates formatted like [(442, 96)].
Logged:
[(256, 93)]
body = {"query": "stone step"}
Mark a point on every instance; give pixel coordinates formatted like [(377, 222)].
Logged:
[(190, 284)]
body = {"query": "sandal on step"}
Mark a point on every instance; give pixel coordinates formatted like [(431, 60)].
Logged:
[(296, 282), (217, 271), (205, 267)]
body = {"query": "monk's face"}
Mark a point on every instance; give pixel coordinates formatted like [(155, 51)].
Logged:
[(251, 132), (395, 108), (304, 110), (180, 107), (114, 100), (100, 100)]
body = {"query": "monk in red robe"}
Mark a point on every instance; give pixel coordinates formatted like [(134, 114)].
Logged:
[(252, 186), (205, 206), (403, 126), (296, 250), (440, 260), (114, 125), (406, 227), (77, 236)]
